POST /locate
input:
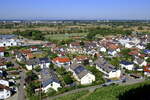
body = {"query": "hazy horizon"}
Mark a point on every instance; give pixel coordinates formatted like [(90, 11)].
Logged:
[(75, 9)]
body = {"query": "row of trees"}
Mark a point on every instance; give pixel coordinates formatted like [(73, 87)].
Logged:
[(31, 34), (106, 31)]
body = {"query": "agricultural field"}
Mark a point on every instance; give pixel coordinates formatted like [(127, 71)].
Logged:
[(64, 36)]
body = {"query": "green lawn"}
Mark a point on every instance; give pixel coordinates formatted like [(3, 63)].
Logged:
[(73, 96), (64, 36), (106, 93)]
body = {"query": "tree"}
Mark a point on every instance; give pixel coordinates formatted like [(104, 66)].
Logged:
[(51, 92), (68, 79), (148, 46), (38, 69)]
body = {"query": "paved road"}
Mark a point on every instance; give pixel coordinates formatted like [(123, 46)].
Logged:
[(21, 93), (129, 82)]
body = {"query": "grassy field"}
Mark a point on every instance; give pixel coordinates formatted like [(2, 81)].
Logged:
[(73, 96), (64, 36), (106, 93)]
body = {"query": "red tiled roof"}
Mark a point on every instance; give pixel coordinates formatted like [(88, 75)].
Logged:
[(25, 51), (113, 46), (142, 55), (81, 57), (62, 60), (34, 47), (135, 52), (30, 55), (4, 87), (146, 69), (2, 49), (2, 61)]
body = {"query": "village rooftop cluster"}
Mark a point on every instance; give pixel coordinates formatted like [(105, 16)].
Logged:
[(79, 63)]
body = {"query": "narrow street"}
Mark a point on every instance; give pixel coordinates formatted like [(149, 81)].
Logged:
[(21, 92)]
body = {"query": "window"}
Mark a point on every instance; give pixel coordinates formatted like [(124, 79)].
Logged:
[(51, 84)]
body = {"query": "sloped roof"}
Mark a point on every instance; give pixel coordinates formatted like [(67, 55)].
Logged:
[(48, 77), (4, 87), (2, 49), (7, 36), (126, 63), (79, 70), (103, 64), (61, 59)]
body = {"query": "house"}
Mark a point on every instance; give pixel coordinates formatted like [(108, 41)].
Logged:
[(103, 49), (50, 44), (134, 53), (32, 63), (2, 63), (147, 51), (113, 47), (42, 62), (147, 71), (112, 52), (75, 45), (81, 59), (29, 56), (140, 62), (34, 48), (81, 74), (127, 65), (61, 61), (20, 57), (108, 70), (4, 92), (129, 45), (140, 46), (25, 52), (9, 40), (49, 80), (3, 74), (2, 50), (4, 82)]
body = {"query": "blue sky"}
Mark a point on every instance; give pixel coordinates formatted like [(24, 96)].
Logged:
[(75, 9)]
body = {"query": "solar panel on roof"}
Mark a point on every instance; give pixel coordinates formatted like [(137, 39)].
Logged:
[(79, 69), (47, 82)]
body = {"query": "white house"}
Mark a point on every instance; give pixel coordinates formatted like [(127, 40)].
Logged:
[(81, 74), (4, 92), (51, 83), (49, 80), (140, 46), (129, 45), (9, 40), (34, 48), (4, 82), (140, 62), (112, 52), (61, 61), (42, 62), (127, 65), (108, 70), (103, 49), (3, 66)]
